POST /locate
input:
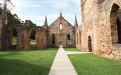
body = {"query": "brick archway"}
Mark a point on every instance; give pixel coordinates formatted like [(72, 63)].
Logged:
[(89, 44), (115, 24)]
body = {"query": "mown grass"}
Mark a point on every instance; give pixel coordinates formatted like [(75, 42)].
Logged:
[(71, 49), (36, 62), (89, 64), (14, 41), (32, 42)]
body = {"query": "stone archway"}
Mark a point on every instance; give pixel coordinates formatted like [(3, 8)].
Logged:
[(115, 24), (33, 37), (89, 44), (61, 44), (14, 39)]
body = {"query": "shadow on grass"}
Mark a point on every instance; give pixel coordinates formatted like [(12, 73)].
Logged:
[(17, 67), (9, 53)]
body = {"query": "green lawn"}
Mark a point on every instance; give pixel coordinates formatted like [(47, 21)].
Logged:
[(90, 64), (14, 41), (71, 49), (36, 62), (32, 42)]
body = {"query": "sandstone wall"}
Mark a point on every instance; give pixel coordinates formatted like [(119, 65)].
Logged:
[(61, 34), (23, 37), (99, 22)]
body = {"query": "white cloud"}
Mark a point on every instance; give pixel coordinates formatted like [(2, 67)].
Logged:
[(22, 5)]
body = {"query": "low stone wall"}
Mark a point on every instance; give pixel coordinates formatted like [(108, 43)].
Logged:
[(116, 51)]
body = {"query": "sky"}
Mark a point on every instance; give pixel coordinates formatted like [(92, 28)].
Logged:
[(35, 10)]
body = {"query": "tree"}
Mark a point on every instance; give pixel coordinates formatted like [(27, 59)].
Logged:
[(9, 4), (12, 19), (30, 23)]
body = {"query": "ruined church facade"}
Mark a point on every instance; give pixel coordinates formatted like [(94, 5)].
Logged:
[(59, 32), (100, 31), (62, 32)]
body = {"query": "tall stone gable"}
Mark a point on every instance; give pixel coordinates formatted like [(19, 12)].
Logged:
[(61, 32)]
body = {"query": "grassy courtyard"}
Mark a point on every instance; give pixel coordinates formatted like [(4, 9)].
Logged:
[(37, 62), (90, 64)]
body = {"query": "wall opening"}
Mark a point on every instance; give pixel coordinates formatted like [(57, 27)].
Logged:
[(61, 26), (89, 44), (53, 38), (115, 22), (14, 38), (33, 38), (68, 36), (68, 40), (60, 43)]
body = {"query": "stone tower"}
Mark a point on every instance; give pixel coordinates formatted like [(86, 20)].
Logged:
[(4, 15), (3, 21), (45, 24), (75, 24)]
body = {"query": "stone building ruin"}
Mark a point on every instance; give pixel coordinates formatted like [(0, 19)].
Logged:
[(59, 32), (100, 31)]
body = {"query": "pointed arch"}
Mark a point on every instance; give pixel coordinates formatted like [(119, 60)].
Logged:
[(33, 37), (68, 37), (89, 43), (14, 37), (53, 38), (115, 24), (61, 26)]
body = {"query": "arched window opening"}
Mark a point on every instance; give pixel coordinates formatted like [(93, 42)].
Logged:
[(68, 36), (53, 38), (89, 44), (61, 26), (115, 22), (14, 38), (119, 30), (33, 38)]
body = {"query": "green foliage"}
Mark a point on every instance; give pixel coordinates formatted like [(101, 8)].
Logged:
[(90, 64), (12, 19), (29, 22), (37, 62)]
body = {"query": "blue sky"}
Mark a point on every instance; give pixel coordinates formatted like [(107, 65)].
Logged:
[(36, 10)]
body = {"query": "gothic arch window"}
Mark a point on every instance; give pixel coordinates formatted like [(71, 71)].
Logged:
[(61, 26), (68, 37), (33, 37), (14, 37), (115, 24), (53, 38), (89, 44)]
